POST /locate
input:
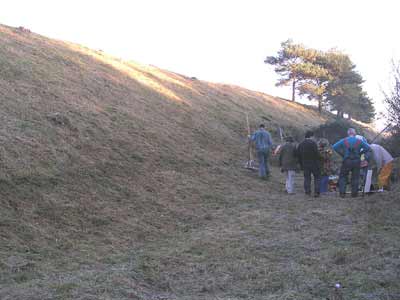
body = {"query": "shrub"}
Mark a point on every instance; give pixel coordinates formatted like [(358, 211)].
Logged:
[(336, 130), (392, 143)]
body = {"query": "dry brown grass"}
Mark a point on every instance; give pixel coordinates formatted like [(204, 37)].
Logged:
[(123, 181)]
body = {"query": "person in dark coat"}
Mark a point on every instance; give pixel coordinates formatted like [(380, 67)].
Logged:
[(309, 160), (288, 163)]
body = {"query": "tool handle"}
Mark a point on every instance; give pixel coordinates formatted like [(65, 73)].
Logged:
[(248, 124), (249, 133), (383, 130)]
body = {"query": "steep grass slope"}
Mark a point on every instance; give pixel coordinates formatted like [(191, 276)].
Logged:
[(123, 181), (84, 134)]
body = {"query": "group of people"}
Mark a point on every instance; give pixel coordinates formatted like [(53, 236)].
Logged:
[(315, 159)]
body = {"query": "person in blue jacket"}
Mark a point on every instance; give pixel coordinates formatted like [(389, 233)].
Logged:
[(263, 142), (350, 148)]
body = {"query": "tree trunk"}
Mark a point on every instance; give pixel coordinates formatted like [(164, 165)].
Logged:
[(294, 90)]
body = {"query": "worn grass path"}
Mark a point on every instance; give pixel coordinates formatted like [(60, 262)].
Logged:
[(242, 243)]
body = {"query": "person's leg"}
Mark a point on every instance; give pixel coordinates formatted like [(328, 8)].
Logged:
[(266, 159), (355, 178), (324, 184), (344, 171), (384, 175), (291, 174), (307, 180), (363, 174), (261, 161), (317, 180), (287, 181)]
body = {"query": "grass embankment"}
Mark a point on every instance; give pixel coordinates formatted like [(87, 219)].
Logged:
[(123, 181)]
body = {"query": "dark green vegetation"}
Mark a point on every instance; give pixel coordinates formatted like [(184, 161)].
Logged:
[(337, 129), (392, 97), (392, 100), (123, 181), (328, 77)]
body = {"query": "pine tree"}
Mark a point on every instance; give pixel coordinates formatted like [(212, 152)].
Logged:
[(344, 91), (316, 78), (329, 78), (287, 63)]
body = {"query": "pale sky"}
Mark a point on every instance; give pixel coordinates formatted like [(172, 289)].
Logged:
[(220, 40)]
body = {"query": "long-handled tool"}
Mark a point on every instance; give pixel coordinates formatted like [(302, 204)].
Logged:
[(250, 162), (277, 149), (379, 134), (281, 135)]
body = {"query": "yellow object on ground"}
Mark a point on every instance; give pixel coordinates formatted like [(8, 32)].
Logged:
[(384, 175)]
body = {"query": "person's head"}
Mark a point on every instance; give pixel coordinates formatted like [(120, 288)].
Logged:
[(323, 143), (309, 134), (351, 132), (262, 126), (289, 139)]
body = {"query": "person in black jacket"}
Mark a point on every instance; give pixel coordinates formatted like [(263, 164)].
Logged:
[(309, 158)]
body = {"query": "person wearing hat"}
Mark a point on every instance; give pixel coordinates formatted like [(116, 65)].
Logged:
[(288, 163)]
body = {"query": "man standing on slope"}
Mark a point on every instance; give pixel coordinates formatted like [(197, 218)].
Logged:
[(384, 162), (263, 142), (288, 163), (309, 160), (350, 149)]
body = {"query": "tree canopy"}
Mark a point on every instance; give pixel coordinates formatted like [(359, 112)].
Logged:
[(392, 101), (328, 77), (288, 63), (392, 97)]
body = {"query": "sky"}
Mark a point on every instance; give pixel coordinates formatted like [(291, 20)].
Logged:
[(222, 41)]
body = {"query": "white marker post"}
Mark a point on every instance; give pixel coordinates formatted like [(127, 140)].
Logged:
[(367, 187)]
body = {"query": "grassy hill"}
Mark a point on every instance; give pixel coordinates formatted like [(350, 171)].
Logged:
[(124, 181)]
